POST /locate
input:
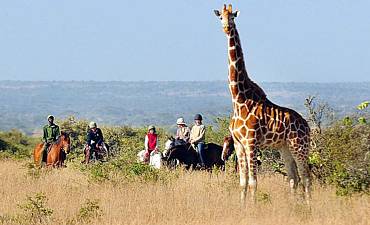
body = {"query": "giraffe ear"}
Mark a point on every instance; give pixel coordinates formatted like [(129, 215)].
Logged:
[(236, 13), (217, 13)]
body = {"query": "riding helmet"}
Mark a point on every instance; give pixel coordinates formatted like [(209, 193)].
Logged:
[(50, 116), (198, 117)]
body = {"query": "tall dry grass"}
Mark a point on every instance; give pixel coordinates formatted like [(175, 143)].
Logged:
[(193, 198)]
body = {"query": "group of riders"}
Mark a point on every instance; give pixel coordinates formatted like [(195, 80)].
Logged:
[(95, 140)]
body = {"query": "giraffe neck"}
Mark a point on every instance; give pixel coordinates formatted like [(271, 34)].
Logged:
[(240, 85)]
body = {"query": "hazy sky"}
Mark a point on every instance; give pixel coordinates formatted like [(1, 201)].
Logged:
[(283, 40)]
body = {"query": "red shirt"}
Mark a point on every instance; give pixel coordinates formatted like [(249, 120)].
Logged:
[(152, 141)]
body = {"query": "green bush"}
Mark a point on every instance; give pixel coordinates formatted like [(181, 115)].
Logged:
[(341, 157), (217, 133), (35, 209), (15, 144), (89, 211)]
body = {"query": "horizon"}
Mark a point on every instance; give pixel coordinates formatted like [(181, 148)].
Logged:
[(185, 81), (282, 41)]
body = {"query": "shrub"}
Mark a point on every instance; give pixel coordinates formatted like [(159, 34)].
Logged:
[(35, 209), (89, 211), (15, 144), (341, 157)]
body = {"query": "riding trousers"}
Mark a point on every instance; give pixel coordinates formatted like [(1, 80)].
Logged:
[(200, 150), (45, 150)]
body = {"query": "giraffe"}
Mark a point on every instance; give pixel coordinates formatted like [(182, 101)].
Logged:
[(256, 122)]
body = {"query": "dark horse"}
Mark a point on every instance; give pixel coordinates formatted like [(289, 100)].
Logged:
[(228, 149), (187, 155), (55, 156)]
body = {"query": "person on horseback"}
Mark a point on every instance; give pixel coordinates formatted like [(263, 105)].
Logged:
[(197, 137), (94, 141), (151, 142), (182, 133), (51, 132)]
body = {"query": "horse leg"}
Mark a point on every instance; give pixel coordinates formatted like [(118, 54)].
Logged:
[(63, 157), (87, 155), (52, 158)]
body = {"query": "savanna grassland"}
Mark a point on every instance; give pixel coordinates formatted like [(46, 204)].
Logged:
[(122, 191), (186, 198)]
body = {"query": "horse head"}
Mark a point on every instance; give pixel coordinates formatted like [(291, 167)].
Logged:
[(228, 147), (65, 141), (170, 143)]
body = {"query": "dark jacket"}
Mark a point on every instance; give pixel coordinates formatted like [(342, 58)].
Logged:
[(94, 138)]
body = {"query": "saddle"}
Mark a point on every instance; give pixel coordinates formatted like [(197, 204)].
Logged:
[(196, 147), (49, 148)]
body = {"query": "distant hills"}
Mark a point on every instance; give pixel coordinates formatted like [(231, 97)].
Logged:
[(25, 105)]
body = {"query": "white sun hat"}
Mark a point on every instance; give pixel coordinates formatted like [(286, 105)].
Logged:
[(180, 121)]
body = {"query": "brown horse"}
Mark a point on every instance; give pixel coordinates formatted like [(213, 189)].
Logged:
[(56, 156)]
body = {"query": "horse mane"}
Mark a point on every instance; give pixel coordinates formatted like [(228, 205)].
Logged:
[(58, 140), (62, 134)]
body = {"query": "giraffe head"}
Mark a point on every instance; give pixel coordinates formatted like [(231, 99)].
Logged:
[(227, 18)]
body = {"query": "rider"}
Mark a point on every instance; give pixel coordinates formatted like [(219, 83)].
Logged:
[(94, 140), (197, 137), (151, 142), (182, 133), (51, 133)]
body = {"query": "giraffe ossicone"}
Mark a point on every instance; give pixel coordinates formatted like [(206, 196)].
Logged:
[(258, 123)]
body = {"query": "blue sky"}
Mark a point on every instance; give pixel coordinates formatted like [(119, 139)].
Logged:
[(283, 40)]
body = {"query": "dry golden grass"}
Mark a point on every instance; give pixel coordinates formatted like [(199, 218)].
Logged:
[(196, 198)]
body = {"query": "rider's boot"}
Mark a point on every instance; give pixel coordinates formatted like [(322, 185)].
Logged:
[(44, 154)]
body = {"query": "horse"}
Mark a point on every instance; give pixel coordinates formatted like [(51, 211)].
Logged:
[(155, 158), (188, 156), (101, 153), (228, 149), (55, 157)]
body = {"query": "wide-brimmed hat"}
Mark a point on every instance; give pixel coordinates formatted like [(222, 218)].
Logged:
[(180, 121)]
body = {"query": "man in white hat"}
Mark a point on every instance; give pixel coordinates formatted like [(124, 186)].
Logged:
[(182, 133)]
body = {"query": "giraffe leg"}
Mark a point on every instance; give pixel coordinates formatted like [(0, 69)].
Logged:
[(252, 170), (242, 164), (291, 168), (301, 158), (304, 172)]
